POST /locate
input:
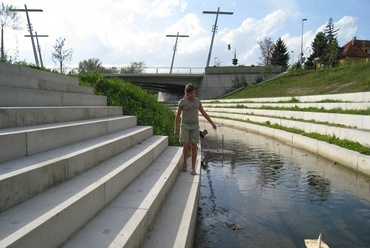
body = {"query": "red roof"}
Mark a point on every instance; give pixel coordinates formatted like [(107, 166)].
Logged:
[(354, 48)]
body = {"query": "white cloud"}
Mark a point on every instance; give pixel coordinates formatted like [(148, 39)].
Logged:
[(347, 29), (162, 8), (119, 32)]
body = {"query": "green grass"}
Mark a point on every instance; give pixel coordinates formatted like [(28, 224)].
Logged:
[(346, 79), (308, 109)]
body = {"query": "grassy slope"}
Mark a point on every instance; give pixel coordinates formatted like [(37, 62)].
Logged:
[(353, 78)]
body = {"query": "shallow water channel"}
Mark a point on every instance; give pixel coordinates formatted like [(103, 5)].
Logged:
[(260, 192)]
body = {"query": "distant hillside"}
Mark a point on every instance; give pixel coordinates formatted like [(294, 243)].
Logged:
[(351, 78)]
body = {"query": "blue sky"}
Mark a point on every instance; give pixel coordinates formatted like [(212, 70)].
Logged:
[(118, 32)]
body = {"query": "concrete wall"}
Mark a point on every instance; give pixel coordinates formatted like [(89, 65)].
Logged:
[(219, 80)]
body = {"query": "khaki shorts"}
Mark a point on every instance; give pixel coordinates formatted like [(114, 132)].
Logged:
[(189, 134)]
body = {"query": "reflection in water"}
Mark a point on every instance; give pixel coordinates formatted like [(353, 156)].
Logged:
[(263, 193)]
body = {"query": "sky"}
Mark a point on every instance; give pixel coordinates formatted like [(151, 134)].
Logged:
[(119, 32)]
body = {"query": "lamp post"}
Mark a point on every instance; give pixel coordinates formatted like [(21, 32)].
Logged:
[(301, 57), (292, 57)]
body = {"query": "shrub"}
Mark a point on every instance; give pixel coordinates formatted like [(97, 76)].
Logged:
[(134, 101)]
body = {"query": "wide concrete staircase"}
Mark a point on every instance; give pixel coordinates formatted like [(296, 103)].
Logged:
[(252, 114), (77, 173)]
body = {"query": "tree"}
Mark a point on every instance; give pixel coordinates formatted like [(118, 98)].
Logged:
[(10, 19), (134, 68), (318, 47), (59, 56), (332, 50), (280, 55), (90, 65), (266, 46)]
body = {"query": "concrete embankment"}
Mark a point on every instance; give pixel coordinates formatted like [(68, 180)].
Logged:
[(246, 114)]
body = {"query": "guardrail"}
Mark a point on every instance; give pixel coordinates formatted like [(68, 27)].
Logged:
[(175, 70), (147, 70), (181, 70)]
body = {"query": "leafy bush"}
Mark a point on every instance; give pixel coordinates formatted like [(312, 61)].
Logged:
[(134, 101)]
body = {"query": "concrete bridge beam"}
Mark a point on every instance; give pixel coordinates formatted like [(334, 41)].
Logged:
[(214, 83)]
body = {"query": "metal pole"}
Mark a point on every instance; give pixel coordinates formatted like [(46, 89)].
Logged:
[(214, 29), (304, 19), (175, 47), (292, 57), (39, 49), (235, 55), (30, 28), (38, 45), (174, 51), (33, 42)]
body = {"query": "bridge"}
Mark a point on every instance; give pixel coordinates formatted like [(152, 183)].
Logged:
[(211, 82), (161, 82)]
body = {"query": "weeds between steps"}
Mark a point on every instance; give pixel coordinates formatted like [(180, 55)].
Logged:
[(332, 139)]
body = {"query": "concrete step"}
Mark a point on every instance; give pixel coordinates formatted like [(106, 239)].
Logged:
[(10, 70), (25, 141), (318, 105), (23, 178), (26, 116), (50, 218), (349, 120), (354, 160), (21, 97), (27, 82), (344, 97), (175, 223), (124, 222), (361, 136)]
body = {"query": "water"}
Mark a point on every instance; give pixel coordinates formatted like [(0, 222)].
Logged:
[(263, 193)]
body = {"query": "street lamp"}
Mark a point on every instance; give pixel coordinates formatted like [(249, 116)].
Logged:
[(292, 57), (301, 57)]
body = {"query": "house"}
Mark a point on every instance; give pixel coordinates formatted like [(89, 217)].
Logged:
[(355, 51)]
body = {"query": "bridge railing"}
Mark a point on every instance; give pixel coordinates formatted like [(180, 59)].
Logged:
[(175, 70), (149, 70)]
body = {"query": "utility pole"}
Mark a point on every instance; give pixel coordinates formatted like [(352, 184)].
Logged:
[(214, 29), (30, 28), (38, 45), (175, 46), (301, 57)]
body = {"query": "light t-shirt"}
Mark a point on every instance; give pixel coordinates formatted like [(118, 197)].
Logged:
[(190, 111)]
